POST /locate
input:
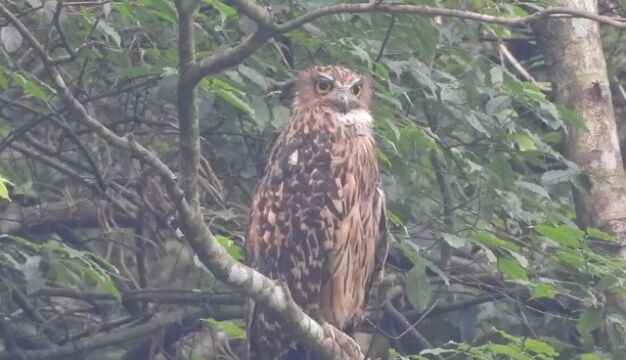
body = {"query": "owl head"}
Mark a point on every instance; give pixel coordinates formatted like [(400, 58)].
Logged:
[(334, 87)]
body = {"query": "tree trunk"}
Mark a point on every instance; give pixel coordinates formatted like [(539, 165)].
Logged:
[(572, 50)]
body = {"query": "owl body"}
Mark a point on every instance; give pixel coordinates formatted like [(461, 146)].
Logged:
[(317, 216)]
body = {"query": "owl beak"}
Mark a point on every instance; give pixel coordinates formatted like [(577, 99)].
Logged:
[(344, 101)]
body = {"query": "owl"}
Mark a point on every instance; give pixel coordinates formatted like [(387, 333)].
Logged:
[(317, 221)]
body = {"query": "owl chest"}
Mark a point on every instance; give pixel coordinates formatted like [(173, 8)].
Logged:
[(318, 181), (355, 167)]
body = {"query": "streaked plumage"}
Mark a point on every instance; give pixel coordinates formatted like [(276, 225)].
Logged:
[(317, 218)]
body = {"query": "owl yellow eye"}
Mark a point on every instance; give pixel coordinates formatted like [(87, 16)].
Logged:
[(356, 90), (323, 86)]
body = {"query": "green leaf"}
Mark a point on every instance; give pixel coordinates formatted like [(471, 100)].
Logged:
[(254, 76), (509, 350), (534, 188), (95, 273), (232, 248), (524, 142), (110, 32), (163, 9), (590, 356), (33, 89), (540, 347), (476, 123), (108, 287), (123, 9), (227, 327), (543, 290), (563, 235), (393, 218), (571, 257), (228, 93), (553, 177), (418, 288), (456, 242), (261, 111), (4, 191), (224, 9), (30, 269), (615, 327), (598, 234), (169, 71), (437, 270), (589, 320), (571, 117), (494, 242), (5, 78), (511, 269), (383, 158)]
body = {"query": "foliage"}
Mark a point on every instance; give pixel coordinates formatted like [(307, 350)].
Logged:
[(59, 263), (4, 191), (471, 154)]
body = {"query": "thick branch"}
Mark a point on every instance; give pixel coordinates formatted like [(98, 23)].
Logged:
[(257, 13), (189, 133)]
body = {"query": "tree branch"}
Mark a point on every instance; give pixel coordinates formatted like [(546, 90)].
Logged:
[(189, 127), (409, 328), (376, 7), (257, 13), (161, 296)]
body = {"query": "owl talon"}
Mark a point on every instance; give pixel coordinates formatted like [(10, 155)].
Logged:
[(346, 343)]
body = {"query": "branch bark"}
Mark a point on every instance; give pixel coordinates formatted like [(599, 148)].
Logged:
[(189, 127)]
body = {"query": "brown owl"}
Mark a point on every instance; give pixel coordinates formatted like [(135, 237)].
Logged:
[(317, 221)]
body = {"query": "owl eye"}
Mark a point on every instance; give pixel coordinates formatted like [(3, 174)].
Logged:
[(356, 89), (323, 86)]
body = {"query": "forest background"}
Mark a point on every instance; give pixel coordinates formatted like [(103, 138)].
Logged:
[(132, 133)]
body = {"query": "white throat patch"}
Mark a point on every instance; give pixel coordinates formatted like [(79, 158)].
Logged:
[(360, 118)]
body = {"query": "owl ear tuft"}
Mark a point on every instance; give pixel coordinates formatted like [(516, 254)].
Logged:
[(287, 94)]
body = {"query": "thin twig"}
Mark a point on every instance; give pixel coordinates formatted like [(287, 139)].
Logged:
[(57, 25), (386, 39), (401, 320), (516, 64)]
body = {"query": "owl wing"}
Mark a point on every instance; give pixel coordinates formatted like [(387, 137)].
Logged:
[(359, 251), (289, 229), (382, 243)]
